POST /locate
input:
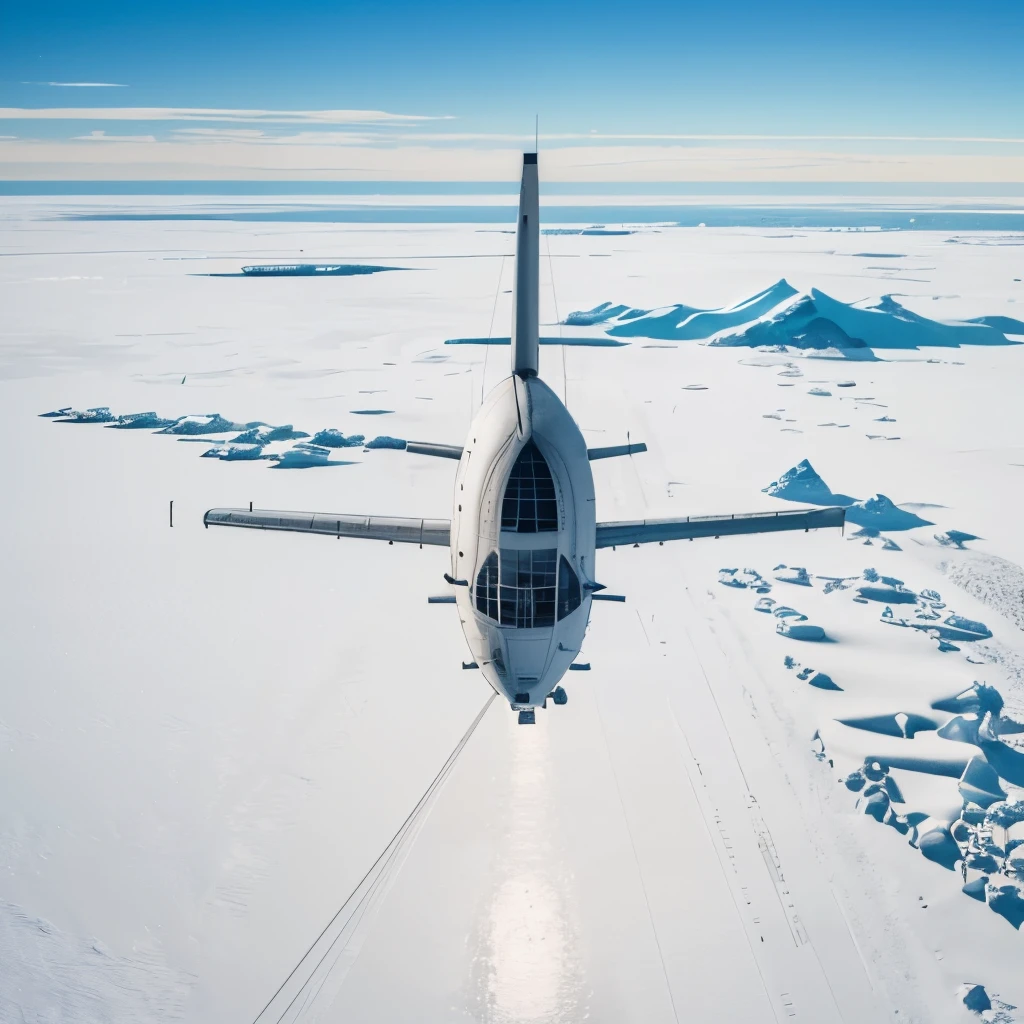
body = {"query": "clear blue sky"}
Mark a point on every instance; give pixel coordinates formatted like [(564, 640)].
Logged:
[(855, 68)]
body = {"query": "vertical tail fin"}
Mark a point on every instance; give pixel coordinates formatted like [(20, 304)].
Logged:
[(526, 311)]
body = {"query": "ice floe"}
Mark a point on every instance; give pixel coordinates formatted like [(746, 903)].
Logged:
[(306, 456), (384, 441), (265, 434), (206, 423), (333, 438), (250, 445)]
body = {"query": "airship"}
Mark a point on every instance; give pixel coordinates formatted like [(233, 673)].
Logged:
[(523, 535)]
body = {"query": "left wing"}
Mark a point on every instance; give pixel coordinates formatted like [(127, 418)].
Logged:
[(644, 531), (389, 528)]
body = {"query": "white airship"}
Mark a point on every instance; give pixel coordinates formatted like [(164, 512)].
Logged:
[(523, 532)]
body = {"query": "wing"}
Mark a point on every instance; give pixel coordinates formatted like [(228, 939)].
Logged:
[(390, 528), (644, 531)]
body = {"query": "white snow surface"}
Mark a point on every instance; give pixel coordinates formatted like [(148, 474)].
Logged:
[(208, 737)]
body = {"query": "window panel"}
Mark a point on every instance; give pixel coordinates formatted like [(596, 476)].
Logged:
[(528, 588), (487, 587), (529, 504), (568, 589)]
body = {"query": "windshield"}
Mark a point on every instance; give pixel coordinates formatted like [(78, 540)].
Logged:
[(523, 594), (529, 505)]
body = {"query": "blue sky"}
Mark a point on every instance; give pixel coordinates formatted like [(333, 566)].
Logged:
[(605, 78)]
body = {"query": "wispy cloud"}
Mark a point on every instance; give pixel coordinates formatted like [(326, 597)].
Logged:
[(212, 114), (256, 136), (661, 137), (104, 137), (81, 85)]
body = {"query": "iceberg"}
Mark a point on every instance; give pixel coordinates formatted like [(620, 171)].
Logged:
[(802, 483)]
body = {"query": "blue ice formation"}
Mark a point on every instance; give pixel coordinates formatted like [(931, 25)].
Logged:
[(595, 230), (1006, 901), (1006, 324), (206, 423), (100, 414), (903, 725), (780, 316), (794, 574), (372, 412), (797, 630), (56, 412), (141, 421), (939, 846), (265, 433), (306, 456), (818, 321), (880, 513), (979, 783), (969, 625), (1005, 814), (823, 682), (334, 438), (383, 441), (687, 323), (802, 483), (974, 997), (308, 270), (236, 453), (599, 315), (955, 538)]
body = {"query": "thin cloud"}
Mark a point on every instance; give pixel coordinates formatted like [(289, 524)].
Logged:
[(212, 114), (658, 137), (81, 85), (104, 137), (255, 136)]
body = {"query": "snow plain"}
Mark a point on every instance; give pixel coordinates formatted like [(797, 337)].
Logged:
[(208, 737)]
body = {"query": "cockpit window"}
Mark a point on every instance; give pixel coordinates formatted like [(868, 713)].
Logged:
[(527, 589), (487, 587), (568, 589), (529, 505)]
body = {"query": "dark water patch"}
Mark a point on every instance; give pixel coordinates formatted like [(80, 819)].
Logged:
[(839, 218), (307, 270), (372, 412), (584, 342)]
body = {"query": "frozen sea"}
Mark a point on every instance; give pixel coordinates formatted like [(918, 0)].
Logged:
[(209, 737)]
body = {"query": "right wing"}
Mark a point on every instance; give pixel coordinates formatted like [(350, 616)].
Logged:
[(644, 531), (389, 528)]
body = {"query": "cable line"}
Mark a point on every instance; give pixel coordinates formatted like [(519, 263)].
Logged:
[(386, 856)]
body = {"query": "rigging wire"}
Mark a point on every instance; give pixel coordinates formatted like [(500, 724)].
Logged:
[(487, 348), (385, 857), (558, 320)]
